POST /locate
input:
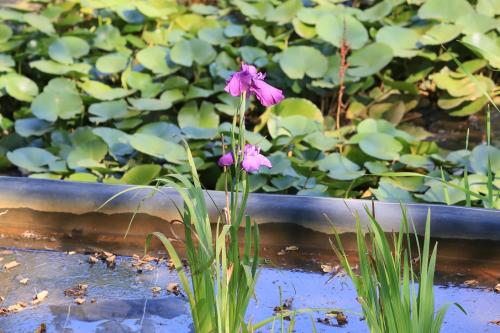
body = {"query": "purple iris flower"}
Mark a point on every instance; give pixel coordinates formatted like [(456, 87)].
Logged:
[(249, 80), (252, 159)]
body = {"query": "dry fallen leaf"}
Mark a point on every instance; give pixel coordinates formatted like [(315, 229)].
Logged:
[(471, 283), (19, 306), (155, 290), (80, 300), (11, 264), (327, 268), (92, 259), (494, 322), (24, 281), (281, 252), (497, 288), (291, 248), (339, 316), (173, 288), (70, 253), (111, 260), (2, 299), (77, 291), (38, 298)]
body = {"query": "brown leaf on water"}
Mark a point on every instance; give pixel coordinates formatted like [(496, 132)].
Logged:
[(494, 322), (292, 248), (80, 300), (173, 288), (19, 306), (471, 283), (111, 260), (24, 281), (339, 316), (38, 298), (284, 308), (41, 329), (2, 299), (70, 253), (77, 291), (11, 265), (497, 288), (155, 290), (92, 259)]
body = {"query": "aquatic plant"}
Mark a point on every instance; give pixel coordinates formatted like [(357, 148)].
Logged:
[(99, 91), (394, 296)]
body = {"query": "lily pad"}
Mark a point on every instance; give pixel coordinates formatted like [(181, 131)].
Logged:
[(88, 154), (112, 63), (158, 147), (105, 111), (335, 28), (403, 41), (58, 100), (117, 141), (149, 104), (293, 64), (20, 87), (340, 167), (102, 91), (108, 38), (31, 158), (155, 58), (440, 33), (381, 146), (52, 67), (139, 175), (39, 22), (32, 127), (5, 33), (434, 9), (205, 117), (369, 60), (479, 159), (66, 49)]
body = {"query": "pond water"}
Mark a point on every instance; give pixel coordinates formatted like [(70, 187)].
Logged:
[(120, 299)]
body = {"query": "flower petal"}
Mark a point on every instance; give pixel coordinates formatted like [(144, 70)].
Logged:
[(265, 93), (226, 159), (238, 83)]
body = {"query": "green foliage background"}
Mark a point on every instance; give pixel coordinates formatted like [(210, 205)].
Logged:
[(106, 90)]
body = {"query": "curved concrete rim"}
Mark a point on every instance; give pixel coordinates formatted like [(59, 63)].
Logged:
[(79, 198)]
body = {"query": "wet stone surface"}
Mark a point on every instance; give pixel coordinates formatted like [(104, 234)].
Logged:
[(120, 299)]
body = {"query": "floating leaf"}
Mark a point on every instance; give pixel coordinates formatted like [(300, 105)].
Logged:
[(105, 111), (434, 9), (66, 49), (87, 155), (52, 67), (387, 191), (102, 91), (440, 33), (479, 159), (39, 22), (340, 167), (369, 60), (158, 147), (31, 158), (32, 127), (5, 33), (58, 100), (485, 45), (381, 146), (139, 175), (108, 38), (149, 104), (190, 116), (403, 41), (155, 58), (20, 87), (442, 193), (117, 141), (293, 64), (335, 28), (112, 63)]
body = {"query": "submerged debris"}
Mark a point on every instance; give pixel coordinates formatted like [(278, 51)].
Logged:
[(339, 316), (107, 257), (174, 288), (144, 263), (41, 329), (77, 291), (155, 290), (38, 298), (284, 308), (19, 306), (80, 300), (11, 265)]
